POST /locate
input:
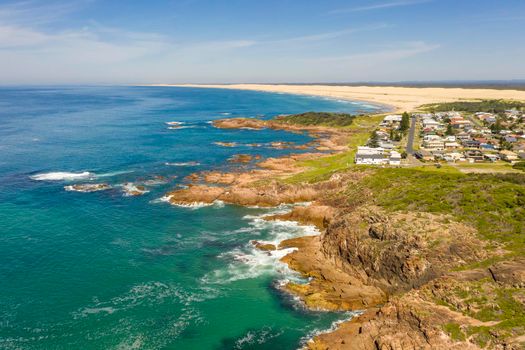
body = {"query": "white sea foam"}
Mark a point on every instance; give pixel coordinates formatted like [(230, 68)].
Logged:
[(249, 262), (71, 176), (198, 205), (163, 199), (347, 316), (130, 189), (256, 337), (182, 164), (114, 173), (371, 106), (62, 176), (147, 294), (97, 310), (225, 113), (155, 181), (174, 123)]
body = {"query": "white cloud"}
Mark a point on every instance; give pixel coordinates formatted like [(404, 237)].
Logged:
[(326, 35), (400, 51), (379, 6), (34, 13)]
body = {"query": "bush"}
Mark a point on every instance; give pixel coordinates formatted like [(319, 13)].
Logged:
[(492, 106), (519, 166), (318, 118)]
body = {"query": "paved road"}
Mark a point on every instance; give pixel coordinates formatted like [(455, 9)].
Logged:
[(411, 134)]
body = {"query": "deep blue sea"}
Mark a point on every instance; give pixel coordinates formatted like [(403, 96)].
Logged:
[(104, 270)]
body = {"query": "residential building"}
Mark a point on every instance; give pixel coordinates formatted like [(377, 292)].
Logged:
[(508, 156), (395, 158), (370, 155)]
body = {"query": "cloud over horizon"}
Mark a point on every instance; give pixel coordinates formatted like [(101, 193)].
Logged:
[(62, 42)]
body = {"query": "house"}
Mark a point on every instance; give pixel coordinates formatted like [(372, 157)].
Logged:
[(395, 158), (462, 136), (474, 156), (392, 118), (430, 123), (508, 156), (453, 157), (485, 131), (470, 143), (491, 157), (487, 146), (486, 117), (434, 144), (386, 145), (459, 123), (452, 145), (370, 155), (510, 138)]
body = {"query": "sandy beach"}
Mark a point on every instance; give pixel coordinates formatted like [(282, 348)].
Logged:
[(400, 98)]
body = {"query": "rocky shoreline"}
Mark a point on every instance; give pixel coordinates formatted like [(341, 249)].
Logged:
[(398, 267)]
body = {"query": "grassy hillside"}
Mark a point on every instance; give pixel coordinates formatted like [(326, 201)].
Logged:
[(318, 119), (493, 203), (322, 168)]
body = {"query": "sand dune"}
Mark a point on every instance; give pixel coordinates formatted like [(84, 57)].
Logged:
[(400, 98)]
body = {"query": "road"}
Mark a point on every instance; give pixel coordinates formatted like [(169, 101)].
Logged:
[(411, 134)]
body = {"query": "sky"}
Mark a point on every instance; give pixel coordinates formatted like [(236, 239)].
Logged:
[(260, 41)]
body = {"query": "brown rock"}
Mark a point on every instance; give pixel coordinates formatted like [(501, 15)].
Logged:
[(264, 246)]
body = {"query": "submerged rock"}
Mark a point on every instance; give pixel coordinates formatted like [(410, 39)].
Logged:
[(264, 246), (88, 187), (226, 144), (130, 189)]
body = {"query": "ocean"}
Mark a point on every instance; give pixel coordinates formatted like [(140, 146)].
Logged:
[(106, 270)]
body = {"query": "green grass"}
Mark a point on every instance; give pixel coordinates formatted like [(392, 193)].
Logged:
[(318, 119), (488, 301), (519, 166), (488, 167), (454, 331), (321, 168), (493, 106), (492, 203)]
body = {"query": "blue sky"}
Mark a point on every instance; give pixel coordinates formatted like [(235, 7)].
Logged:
[(228, 41)]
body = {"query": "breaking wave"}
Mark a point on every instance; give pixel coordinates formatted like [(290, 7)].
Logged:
[(62, 176), (247, 261), (71, 176), (182, 164)]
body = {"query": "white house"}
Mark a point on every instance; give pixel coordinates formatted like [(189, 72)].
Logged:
[(369, 155), (430, 123), (393, 118), (395, 158), (433, 142)]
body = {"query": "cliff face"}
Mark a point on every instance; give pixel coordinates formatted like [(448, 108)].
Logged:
[(442, 314), (366, 251), (397, 266), (399, 251)]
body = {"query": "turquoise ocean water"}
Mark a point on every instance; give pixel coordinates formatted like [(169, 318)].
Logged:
[(107, 271)]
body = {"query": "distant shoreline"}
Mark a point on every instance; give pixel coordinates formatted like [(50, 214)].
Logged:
[(399, 98)]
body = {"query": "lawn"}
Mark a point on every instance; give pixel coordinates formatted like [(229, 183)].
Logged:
[(322, 168)]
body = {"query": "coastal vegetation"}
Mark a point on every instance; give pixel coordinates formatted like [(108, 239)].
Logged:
[(519, 166), (321, 168), (405, 122), (318, 119), (492, 203), (492, 106)]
